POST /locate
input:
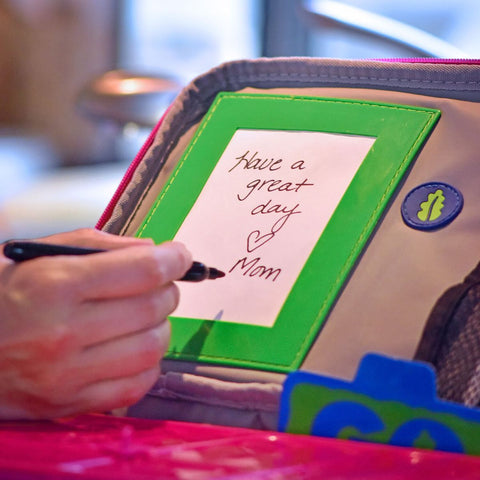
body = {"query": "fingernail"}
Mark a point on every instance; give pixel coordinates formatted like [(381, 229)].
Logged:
[(174, 260)]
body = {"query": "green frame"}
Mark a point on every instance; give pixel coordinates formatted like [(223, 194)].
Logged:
[(399, 131)]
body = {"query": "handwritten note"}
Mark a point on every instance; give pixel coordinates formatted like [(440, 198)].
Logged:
[(259, 216)]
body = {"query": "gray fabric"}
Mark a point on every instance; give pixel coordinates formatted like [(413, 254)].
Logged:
[(199, 399), (244, 396), (451, 341), (402, 271), (471, 397), (154, 407), (458, 360), (220, 372)]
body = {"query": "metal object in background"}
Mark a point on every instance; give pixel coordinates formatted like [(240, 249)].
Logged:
[(329, 14), (124, 97)]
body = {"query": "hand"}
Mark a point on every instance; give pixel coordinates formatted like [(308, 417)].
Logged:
[(85, 333)]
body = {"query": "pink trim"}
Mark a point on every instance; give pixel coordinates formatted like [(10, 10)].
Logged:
[(128, 175), (454, 61)]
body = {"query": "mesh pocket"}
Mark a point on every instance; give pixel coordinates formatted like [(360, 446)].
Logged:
[(451, 341)]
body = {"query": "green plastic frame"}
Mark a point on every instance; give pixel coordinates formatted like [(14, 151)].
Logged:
[(399, 131)]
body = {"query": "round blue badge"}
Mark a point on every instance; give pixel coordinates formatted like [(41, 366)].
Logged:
[(431, 205)]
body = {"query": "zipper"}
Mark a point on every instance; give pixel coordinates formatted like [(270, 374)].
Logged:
[(446, 61), (128, 175)]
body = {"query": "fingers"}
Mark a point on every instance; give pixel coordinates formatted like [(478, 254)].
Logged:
[(89, 237), (128, 272), (91, 329), (117, 373), (112, 374), (108, 375), (99, 321), (102, 396), (114, 274), (114, 393), (123, 357)]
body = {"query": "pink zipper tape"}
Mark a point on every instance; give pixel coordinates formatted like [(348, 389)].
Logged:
[(450, 61), (128, 175)]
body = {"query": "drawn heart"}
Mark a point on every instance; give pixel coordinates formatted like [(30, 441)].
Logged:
[(255, 240)]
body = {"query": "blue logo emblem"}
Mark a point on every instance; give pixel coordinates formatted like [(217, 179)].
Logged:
[(431, 206)]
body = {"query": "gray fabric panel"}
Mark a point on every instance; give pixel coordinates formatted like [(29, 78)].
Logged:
[(471, 397), (458, 360), (403, 272), (220, 372), (205, 400), (158, 408)]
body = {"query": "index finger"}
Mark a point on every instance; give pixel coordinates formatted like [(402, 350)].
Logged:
[(89, 237), (128, 271)]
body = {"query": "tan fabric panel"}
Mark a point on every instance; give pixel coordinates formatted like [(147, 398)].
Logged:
[(387, 300)]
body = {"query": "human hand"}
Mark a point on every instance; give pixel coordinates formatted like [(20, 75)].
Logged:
[(85, 333)]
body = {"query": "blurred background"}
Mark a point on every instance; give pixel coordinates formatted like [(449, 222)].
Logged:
[(82, 82)]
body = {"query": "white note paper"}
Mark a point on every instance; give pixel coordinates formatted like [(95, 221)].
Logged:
[(259, 216)]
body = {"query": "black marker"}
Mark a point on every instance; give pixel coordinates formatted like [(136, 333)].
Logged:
[(22, 251)]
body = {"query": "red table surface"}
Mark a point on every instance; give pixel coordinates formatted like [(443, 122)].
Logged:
[(104, 447)]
